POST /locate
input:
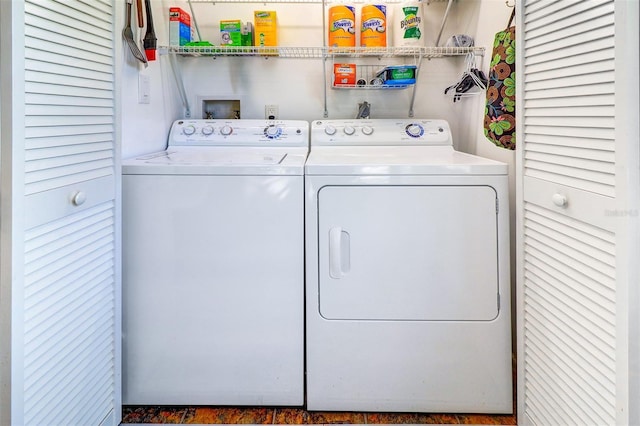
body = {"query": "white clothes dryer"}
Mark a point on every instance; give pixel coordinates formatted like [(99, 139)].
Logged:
[(213, 266), (407, 279)]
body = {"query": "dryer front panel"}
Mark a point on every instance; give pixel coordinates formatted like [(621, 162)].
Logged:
[(425, 253)]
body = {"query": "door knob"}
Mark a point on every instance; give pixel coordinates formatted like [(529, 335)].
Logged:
[(559, 200), (78, 198)]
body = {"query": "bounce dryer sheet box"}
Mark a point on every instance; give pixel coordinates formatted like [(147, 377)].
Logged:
[(179, 27), (231, 33), (265, 31), (344, 75)]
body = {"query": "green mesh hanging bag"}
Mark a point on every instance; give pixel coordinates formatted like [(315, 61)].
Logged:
[(500, 106)]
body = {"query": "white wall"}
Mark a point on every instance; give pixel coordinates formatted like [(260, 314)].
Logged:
[(297, 85), (145, 126)]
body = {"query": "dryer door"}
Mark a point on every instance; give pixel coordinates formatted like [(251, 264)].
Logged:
[(408, 253)]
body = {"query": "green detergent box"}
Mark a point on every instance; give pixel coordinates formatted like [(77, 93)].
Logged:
[(231, 32)]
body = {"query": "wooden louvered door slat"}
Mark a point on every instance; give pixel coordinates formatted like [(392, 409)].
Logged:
[(65, 308), (571, 359)]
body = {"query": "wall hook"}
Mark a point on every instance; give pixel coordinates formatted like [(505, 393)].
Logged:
[(510, 5)]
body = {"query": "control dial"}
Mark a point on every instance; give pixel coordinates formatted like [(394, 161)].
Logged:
[(414, 130), (226, 130), (272, 132), (189, 130), (367, 130), (330, 130), (349, 130), (207, 130)]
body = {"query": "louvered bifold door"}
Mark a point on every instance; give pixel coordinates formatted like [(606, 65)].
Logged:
[(70, 300), (567, 266)]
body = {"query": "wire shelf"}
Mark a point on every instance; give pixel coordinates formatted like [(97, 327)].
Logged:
[(418, 51), (303, 1), (267, 51), (322, 52), (256, 1), (366, 78)]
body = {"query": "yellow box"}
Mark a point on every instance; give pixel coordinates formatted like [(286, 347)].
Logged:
[(265, 28)]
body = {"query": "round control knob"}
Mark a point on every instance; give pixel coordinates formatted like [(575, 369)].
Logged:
[(207, 130), (189, 130), (414, 130), (330, 130), (348, 130), (226, 130), (367, 130), (272, 132)]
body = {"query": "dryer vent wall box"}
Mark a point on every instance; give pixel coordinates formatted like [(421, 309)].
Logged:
[(407, 271), (216, 109)]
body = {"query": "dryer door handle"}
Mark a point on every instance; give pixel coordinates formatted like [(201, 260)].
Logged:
[(339, 252)]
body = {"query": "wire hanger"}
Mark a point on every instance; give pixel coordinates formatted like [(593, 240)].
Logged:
[(471, 80)]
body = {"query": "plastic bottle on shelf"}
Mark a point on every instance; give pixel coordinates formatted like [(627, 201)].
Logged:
[(408, 24)]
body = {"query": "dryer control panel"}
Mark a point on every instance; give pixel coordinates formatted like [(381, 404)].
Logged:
[(239, 133), (422, 132)]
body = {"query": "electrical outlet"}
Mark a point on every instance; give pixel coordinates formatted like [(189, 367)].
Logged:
[(271, 112)]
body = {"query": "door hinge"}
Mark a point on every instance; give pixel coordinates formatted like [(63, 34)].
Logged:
[(497, 206), (498, 302)]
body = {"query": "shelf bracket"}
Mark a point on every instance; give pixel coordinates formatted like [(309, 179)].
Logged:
[(180, 84), (415, 87), (324, 75), (324, 61), (444, 21)]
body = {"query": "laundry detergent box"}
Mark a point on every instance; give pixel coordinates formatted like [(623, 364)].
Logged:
[(265, 28), (179, 27), (231, 32)]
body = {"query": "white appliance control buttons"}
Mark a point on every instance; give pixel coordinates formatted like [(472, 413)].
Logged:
[(349, 130), (189, 130), (367, 130), (330, 130), (207, 130), (414, 130), (226, 130), (272, 132)]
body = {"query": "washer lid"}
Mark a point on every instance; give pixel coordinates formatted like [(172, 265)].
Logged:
[(395, 160), (210, 160), (207, 157)]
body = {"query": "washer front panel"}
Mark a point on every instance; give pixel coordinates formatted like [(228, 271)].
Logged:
[(213, 282)]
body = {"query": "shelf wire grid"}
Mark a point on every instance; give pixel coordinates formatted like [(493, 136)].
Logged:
[(322, 52)]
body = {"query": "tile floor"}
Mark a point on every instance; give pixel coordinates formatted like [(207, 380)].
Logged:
[(298, 416), (261, 415)]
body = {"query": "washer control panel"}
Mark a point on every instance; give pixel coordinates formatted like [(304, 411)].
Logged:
[(189, 132), (381, 132)]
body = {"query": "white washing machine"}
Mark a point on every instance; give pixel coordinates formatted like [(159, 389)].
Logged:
[(213, 266), (407, 279)]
